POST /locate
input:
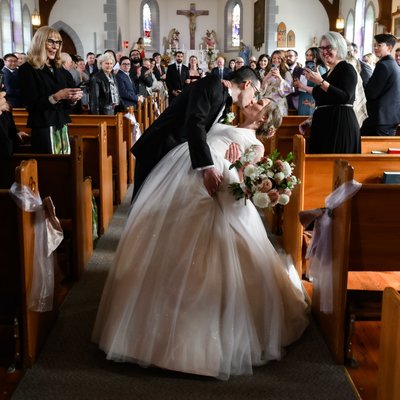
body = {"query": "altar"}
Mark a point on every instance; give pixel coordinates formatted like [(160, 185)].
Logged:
[(204, 56)]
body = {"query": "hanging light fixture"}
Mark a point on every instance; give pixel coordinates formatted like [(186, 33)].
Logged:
[(339, 23), (36, 17)]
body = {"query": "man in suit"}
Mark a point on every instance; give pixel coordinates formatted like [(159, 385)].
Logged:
[(177, 74), (126, 88), (296, 71), (11, 82), (188, 118), (383, 91), (91, 64), (220, 70)]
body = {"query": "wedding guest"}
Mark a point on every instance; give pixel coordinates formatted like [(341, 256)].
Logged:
[(159, 69), (231, 65), (396, 56), (220, 70), (91, 64), (46, 94), (177, 75), (262, 65), (334, 126), (139, 45), (277, 83), (383, 91), (372, 59), (195, 72), (104, 96), (306, 100), (11, 81), (126, 88)]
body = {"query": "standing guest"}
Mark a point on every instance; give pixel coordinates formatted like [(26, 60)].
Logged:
[(262, 65), (155, 85), (69, 66), (334, 126), (383, 91), (396, 56), (177, 74), (139, 45), (104, 95), (195, 72), (126, 87), (296, 71), (11, 81), (136, 67), (114, 56), (91, 64), (253, 64), (145, 78), (159, 69), (306, 100), (210, 67), (220, 69), (21, 58), (372, 59), (277, 84), (231, 65), (46, 94), (365, 69), (239, 62)]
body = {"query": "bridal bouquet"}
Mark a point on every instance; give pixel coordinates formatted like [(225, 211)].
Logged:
[(267, 182)]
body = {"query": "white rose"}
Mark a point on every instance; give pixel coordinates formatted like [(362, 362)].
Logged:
[(286, 168), (250, 171), (279, 177), (283, 199), (261, 200), (269, 163)]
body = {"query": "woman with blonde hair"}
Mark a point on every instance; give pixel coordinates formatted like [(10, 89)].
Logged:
[(45, 93)]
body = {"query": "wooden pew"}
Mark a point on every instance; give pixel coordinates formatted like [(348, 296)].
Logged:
[(116, 146), (365, 259), (389, 347), (379, 143), (22, 332), (61, 178), (315, 172), (98, 165)]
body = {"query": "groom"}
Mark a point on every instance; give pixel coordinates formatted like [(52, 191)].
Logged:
[(188, 119)]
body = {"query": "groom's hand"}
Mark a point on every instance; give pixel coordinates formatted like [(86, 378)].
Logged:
[(212, 178)]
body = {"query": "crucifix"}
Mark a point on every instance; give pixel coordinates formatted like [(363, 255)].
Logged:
[(192, 14)]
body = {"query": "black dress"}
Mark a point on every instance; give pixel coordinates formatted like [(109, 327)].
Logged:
[(334, 126)]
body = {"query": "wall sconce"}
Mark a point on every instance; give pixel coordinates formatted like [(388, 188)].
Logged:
[(339, 23), (36, 17)]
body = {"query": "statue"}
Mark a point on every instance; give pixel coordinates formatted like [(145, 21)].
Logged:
[(210, 40), (173, 40), (244, 52)]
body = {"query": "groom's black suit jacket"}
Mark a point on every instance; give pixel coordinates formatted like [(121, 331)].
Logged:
[(188, 118)]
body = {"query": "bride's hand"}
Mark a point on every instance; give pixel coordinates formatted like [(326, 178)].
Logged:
[(212, 179), (233, 153)]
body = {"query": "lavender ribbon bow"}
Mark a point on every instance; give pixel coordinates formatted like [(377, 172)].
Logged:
[(48, 236), (320, 250)]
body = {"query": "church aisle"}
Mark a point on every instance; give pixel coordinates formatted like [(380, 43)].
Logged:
[(71, 367)]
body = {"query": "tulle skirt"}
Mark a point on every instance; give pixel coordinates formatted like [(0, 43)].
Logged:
[(196, 285)]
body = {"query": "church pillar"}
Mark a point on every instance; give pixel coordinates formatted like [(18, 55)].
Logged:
[(110, 26), (271, 11)]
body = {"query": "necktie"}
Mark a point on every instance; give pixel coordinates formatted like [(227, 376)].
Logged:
[(179, 70), (221, 74)]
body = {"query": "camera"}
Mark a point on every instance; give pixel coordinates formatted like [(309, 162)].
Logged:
[(310, 65)]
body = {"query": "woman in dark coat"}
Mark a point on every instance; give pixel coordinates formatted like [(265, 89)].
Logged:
[(104, 98), (334, 126), (46, 95)]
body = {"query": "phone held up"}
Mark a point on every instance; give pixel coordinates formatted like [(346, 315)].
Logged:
[(310, 65)]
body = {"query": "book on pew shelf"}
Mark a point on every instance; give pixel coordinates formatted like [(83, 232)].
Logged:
[(378, 152), (393, 150), (391, 177)]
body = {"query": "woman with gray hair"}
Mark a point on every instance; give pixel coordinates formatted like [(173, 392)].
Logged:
[(334, 124), (104, 98)]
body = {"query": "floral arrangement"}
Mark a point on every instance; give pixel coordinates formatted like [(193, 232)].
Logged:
[(267, 182), (229, 118)]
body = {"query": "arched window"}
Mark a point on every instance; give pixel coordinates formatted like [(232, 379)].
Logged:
[(16, 12), (233, 25), (6, 28), (147, 25), (26, 28), (349, 29), (359, 21), (150, 24), (369, 29)]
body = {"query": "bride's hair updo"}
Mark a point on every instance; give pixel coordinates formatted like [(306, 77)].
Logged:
[(274, 120)]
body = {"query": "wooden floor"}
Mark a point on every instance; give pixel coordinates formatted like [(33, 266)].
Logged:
[(364, 377)]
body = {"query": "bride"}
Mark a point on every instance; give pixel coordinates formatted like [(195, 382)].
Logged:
[(196, 286)]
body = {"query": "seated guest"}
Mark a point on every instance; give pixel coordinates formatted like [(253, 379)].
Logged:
[(104, 96), (126, 88), (11, 81)]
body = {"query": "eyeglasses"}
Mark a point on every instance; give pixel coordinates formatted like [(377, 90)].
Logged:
[(52, 42), (257, 93), (325, 48)]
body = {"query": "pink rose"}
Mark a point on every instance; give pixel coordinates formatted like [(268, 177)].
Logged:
[(265, 186), (274, 197)]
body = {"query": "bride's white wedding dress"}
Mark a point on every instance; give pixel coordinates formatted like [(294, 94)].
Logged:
[(196, 285)]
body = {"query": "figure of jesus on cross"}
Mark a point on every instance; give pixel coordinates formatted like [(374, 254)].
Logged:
[(192, 14)]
